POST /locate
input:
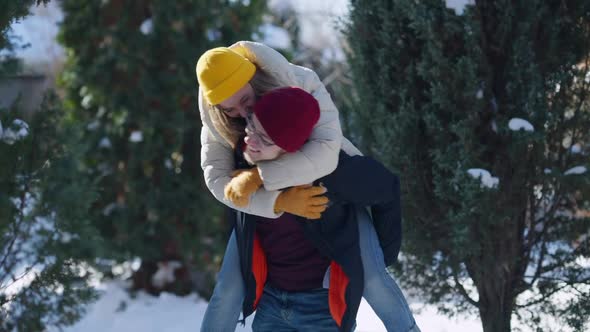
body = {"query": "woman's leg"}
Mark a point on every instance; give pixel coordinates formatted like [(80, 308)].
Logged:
[(381, 291), (224, 308)]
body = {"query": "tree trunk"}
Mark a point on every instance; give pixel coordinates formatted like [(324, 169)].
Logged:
[(497, 273), (495, 315)]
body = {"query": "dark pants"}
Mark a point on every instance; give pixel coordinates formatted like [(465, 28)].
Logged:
[(280, 311)]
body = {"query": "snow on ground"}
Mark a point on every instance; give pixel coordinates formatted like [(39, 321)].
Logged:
[(115, 311)]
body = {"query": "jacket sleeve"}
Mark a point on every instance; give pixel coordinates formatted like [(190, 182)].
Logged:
[(217, 162), (319, 156), (363, 181)]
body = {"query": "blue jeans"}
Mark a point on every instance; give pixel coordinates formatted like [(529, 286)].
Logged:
[(279, 310), (225, 305), (381, 291)]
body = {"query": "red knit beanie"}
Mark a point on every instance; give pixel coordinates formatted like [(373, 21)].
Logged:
[(288, 116)]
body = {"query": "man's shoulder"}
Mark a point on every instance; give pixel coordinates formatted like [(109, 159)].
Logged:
[(351, 165), (344, 161)]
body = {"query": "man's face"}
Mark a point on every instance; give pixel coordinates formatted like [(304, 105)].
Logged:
[(259, 146), (240, 103)]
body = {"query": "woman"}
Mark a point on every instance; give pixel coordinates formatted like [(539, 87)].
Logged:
[(231, 79)]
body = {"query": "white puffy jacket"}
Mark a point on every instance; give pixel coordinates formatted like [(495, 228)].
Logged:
[(317, 158)]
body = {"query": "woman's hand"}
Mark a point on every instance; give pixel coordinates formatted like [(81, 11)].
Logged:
[(305, 201), (244, 183)]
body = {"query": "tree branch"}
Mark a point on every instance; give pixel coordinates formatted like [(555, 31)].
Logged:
[(463, 291)]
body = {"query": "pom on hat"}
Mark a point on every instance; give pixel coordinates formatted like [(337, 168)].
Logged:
[(288, 115)]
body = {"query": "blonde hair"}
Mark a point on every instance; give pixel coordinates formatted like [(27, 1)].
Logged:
[(232, 129)]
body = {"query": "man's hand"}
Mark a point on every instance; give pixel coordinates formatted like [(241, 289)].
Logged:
[(305, 201), (244, 183)]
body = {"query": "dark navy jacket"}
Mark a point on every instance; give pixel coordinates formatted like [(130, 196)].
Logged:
[(358, 181)]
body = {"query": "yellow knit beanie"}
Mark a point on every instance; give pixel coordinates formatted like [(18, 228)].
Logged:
[(221, 72)]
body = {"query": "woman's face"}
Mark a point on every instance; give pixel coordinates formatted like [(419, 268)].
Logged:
[(240, 103), (259, 146)]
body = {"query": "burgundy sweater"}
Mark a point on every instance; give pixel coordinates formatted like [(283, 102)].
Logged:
[(294, 264)]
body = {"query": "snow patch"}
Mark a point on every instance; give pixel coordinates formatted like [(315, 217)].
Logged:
[(213, 34), (576, 170), (147, 26), (165, 273), (168, 163), (15, 132), (87, 101), (67, 237), (458, 5), (136, 136), (494, 126), (109, 209), (105, 143), (517, 124), (243, 2), (93, 125), (479, 94), (576, 148), (487, 180)]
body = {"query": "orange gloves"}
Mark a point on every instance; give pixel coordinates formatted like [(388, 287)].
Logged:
[(244, 183), (304, 201)]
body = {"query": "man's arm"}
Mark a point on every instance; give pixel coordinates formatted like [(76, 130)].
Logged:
[(363, 181)]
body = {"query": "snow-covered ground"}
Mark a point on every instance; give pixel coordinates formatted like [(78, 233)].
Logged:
[(115, 311)]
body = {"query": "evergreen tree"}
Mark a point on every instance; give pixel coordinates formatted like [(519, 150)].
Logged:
[(130, 81), (485, 115), (44, 235)]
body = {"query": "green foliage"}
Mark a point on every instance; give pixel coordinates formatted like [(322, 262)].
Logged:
[(436, 93), (130, 84), (43, 203)]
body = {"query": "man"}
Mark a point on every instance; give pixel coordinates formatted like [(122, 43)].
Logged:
[(284, 261)]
